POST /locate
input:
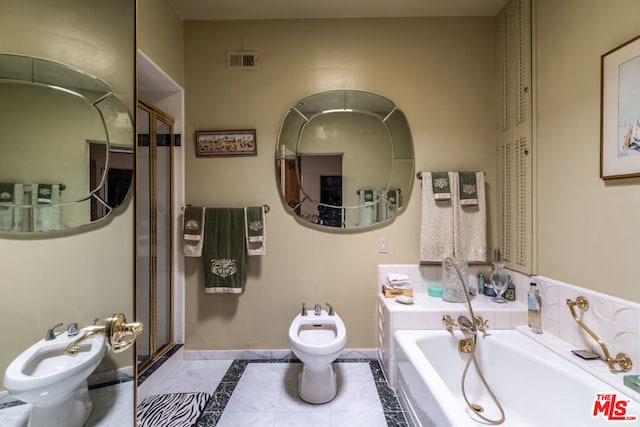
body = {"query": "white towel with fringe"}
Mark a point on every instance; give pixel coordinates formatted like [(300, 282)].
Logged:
[(470, 223), (436, 224)]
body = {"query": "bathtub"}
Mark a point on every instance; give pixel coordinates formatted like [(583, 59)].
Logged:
[(535, 386)]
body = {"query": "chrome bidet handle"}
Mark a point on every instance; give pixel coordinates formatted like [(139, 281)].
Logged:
[(51, 335), (331, 310)]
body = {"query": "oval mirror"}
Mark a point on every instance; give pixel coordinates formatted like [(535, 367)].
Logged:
[(67, 147), (344, 159)]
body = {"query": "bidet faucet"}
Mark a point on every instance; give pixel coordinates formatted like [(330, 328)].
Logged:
[(317, 310), (331, 310), (304, 309), (50, 333)]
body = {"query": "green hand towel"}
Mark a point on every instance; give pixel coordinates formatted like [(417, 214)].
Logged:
[(193, 231), (441, 186), (224, 251), (468, 189)]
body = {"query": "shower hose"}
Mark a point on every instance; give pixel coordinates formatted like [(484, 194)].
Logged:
[(475, 407)]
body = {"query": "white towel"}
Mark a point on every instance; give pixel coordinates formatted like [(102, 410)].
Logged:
[(11, 216), (470, 223), (193, 231), (255, 230), (397, 281), (368, 209), (436, 224), (46, 214)]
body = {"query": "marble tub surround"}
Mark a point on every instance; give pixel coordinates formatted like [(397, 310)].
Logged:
[(614, 320)]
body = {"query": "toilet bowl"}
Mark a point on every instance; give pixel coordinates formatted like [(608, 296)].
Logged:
[(55, 383), (317, 340)]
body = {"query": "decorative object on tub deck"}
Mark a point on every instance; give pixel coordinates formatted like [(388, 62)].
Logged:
[(255, 230), (453, 290), (621, 359), (224, 251), (193, 231), (470, 220), (436, 225), (45, 199)]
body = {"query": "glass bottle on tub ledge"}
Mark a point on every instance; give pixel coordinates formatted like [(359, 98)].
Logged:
[(499, 278)]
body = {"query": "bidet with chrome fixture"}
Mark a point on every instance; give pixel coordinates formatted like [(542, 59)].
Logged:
[(621, 359), (52, 374)]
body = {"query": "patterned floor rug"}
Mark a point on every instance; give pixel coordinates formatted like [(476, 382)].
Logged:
[(171, 410)]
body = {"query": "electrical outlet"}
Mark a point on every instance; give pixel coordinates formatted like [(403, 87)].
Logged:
[(383, 245)]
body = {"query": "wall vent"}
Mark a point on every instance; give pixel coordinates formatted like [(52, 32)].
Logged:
[(242, 61)]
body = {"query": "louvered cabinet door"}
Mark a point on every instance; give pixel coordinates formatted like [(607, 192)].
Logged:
[(514, 151)]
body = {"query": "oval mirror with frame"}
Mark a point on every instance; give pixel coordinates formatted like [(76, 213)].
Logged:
[(344, 159), (67, 144)]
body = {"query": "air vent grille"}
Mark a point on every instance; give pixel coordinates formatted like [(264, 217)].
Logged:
[(242, 61)]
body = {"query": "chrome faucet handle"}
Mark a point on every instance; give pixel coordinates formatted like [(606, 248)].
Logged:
[(448, 322), (317, 310), (331, 310), (95, 321), (482, 325), (304, 309), (51, 335), (72, 330)]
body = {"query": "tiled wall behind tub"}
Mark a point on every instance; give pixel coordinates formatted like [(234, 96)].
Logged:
[(614, 320)]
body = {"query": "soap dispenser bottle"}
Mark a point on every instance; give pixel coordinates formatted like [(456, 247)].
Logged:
[(534, 303)]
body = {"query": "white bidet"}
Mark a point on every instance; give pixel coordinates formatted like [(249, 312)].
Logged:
[(317, 339), (54, 382)]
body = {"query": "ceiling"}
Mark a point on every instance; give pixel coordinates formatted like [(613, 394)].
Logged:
[(299, 9)]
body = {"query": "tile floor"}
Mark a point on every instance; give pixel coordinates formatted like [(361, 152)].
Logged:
[(259, 393), (264, 393), (112, 407)]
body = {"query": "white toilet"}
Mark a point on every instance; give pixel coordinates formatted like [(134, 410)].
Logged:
[(317, 338), (55, 383)]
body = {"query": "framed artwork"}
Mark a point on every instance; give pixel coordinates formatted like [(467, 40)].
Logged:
[(226, 143), (620, 112)]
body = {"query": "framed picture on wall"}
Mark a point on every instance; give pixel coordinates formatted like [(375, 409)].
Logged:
[(620, 112), (226, 143)]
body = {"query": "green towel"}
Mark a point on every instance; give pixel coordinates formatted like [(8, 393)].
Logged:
[(441, 186), (224, 252), (45, 192), (468, 189), (255, 230), (7, 191)]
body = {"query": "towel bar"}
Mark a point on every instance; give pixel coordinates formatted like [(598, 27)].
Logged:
[(266, 208), (419, 174)]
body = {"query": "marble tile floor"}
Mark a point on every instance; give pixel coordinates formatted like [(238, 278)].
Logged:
[(112, 407), (260, 393), (263, 393)]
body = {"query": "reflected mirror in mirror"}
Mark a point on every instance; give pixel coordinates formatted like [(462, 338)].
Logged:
[(345, 159), (67, 147)]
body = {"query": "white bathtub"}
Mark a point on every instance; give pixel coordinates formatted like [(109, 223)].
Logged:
[(535, 386)]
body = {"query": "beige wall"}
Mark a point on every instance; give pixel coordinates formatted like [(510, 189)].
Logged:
[(587, 229), (160, 36), (439, 71), (78, 277)]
